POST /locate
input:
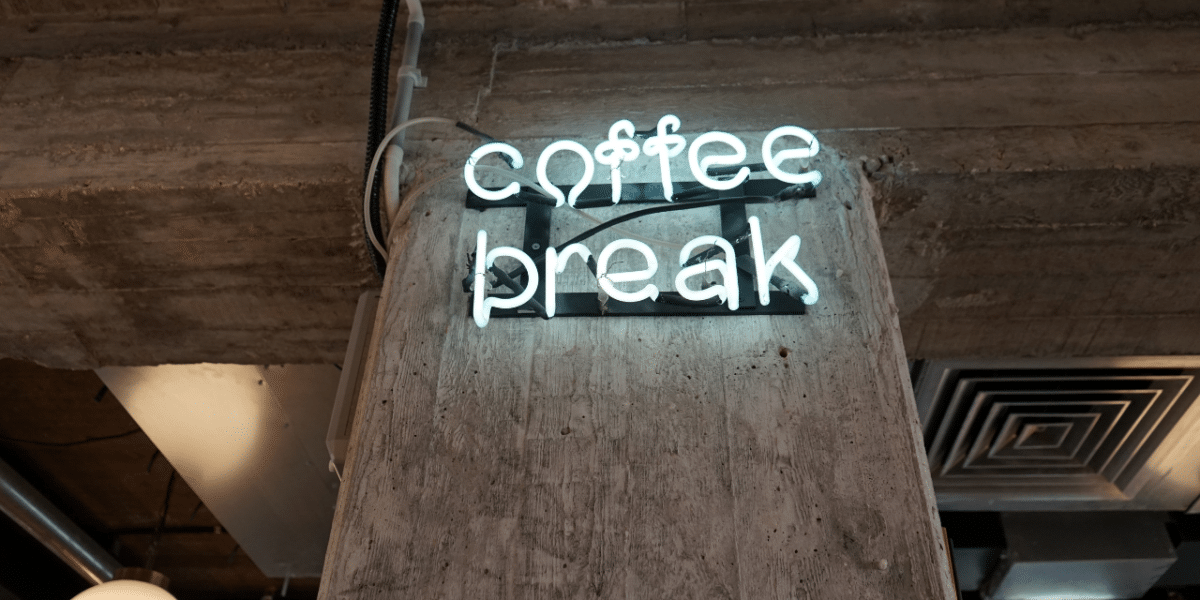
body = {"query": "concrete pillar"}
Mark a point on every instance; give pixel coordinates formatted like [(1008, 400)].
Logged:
[(750, 457)]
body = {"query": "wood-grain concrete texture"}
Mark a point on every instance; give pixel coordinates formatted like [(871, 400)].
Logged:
[(716, 457), (57, 27), (182, 208), (1037, 186)]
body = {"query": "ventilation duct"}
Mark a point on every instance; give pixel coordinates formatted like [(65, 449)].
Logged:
[(1062, 434)]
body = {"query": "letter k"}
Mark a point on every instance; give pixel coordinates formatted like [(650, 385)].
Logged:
[(785, 257)]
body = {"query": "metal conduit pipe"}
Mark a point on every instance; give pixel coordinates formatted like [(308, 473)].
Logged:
[(48, 525), (408, 79)]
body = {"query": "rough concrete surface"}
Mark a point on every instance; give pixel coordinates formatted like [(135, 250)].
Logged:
[(640, 458), (181, 198), (182, 208), (113, 26)]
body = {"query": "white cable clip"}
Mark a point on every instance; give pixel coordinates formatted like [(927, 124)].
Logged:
[(419, 81)]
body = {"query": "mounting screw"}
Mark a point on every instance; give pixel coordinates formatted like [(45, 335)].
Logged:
[(536, 246)]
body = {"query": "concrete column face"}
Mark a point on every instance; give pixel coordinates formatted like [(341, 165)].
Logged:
[(641, 457)]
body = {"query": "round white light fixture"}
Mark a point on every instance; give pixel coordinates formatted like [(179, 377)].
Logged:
[(125, 589), (130, 583)]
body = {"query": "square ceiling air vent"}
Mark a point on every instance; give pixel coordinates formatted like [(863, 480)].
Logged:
[(1003, 433)]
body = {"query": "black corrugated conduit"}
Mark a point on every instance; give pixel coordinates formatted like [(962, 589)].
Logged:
[(377, 122)]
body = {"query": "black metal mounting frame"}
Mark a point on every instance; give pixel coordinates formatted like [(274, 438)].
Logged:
[(734, 226)]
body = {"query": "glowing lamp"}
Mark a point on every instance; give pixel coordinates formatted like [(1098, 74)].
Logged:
[(131, 584)]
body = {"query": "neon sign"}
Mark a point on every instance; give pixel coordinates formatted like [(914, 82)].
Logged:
[(742, 267), (665, 145)]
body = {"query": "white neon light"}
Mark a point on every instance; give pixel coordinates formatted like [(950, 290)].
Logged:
[(557, 263), (607, 279), (483, 304), (774, 160), (727, 290), (620, 148), (617, 151), (665, 145), (589, 169), (700, 167), (469, 171), (785, 256)]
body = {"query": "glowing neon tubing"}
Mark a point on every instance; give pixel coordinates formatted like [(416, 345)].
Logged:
[(589, 170), (727, 291), (483, 304), (665, 145), (616, 151), (772, 161), (411, 197), (700, 166), (555, 264), (606, 279), (785, 257), (469, 170)]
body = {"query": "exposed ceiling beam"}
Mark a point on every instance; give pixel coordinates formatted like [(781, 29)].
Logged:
[(1034, 184), (102, 26)]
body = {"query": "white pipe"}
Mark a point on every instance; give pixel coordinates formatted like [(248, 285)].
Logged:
[(384, 145), (415, 13), (408, 78), (392, 160), (412, 195)]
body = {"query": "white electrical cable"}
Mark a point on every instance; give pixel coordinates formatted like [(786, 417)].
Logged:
[(424, 187), (537, 187), (416, 192), (533, 184), (383, 146)]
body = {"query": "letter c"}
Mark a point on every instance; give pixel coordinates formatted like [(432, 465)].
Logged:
[(469, 171)]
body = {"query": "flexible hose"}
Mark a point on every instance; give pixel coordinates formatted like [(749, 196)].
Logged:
[(408, 78), (377, 125), (536, 187)]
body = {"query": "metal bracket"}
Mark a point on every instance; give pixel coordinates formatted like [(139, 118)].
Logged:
[(596, 196), (735, 228)]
